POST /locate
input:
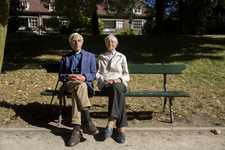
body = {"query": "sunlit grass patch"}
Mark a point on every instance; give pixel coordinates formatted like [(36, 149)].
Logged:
[(23, 78)]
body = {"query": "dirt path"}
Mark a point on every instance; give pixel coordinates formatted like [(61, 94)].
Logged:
[(135, 140), (50, 137)]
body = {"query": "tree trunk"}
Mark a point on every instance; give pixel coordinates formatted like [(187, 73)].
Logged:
[(181, 16), (159, 17), (4, 11), (94, 23)]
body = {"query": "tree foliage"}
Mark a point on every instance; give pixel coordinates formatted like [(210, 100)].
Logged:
[(81, 25), (190, 13), (197, 11), (126, 32), (201, 13), (14, 11), (74, 10)]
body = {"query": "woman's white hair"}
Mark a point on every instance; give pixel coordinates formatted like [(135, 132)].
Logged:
[(112, 37), (74, 35)]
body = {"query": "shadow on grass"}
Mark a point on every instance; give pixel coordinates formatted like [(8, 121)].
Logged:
[(36, 114), (139, 115), (22, 51)]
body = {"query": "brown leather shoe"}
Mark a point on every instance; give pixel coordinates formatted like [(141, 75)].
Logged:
[(90, 129), (75, 138)]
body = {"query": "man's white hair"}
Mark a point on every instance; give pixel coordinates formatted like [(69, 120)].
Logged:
[(74, 35)]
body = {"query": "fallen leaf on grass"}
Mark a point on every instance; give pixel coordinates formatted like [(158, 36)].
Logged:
[(6, 119)]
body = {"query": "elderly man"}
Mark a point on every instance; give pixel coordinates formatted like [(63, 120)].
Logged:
[(77, 71)]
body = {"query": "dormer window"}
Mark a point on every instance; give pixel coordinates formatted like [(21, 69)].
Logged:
[(111, 10), (51, 7), (137, 11), (25, 5)]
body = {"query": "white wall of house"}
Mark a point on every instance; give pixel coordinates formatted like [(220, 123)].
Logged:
[(114, 26)]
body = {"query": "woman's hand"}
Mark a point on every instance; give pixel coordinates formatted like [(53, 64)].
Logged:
[(76, 77), (111, 81)]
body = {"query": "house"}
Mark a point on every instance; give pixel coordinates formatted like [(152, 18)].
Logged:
[(115, 25), (35, 16)]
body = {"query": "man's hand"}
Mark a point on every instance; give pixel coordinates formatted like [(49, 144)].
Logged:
[(111, 81), (76, 77)]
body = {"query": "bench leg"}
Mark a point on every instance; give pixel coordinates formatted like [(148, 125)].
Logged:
[(165, 101), (60, 111), (64, 101), (171, 109), (52, 97), (50, 105)]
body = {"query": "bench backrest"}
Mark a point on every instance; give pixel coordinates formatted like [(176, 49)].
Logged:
[(156, 69), (134, 69), (51, 68)]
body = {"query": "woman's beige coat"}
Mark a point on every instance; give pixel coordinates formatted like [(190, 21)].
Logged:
[(115, 70)]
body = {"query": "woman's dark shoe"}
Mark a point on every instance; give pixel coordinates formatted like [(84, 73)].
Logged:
[(108, 132), (121, 137)]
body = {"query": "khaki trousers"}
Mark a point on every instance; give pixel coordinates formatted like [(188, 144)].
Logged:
[(79, 97)]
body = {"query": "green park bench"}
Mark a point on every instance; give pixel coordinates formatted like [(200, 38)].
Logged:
[(133, 69)]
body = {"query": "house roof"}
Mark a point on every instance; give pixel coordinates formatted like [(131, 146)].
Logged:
[(102, 11), (37, 6)]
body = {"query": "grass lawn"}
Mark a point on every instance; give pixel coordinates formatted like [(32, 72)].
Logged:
[(23, 78)]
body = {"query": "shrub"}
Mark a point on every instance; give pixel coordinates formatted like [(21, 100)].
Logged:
[(101, 28), (126, 32)]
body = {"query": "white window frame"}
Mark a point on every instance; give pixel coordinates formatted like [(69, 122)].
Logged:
[(32, 22), (109, 24), (63, 21), (51, 7), (119, 24), (137, 11), (23, 22), (139, 25), (25, 4)]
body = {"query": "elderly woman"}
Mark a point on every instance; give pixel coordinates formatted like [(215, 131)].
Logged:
[(112, 78)]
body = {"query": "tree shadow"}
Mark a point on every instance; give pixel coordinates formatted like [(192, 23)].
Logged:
[(139, 115), (35, 114), (173, 48), (32, 51)]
